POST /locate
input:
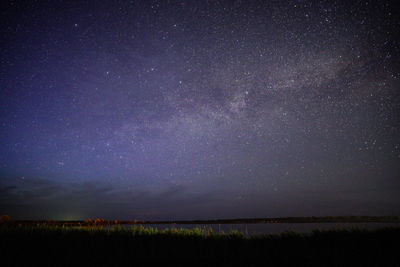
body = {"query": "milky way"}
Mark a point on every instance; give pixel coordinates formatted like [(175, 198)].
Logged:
[(199, 109)]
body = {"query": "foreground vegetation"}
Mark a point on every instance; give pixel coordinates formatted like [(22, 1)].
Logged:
[(40, 244)]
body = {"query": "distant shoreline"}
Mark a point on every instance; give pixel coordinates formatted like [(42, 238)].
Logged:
[(326, 219)]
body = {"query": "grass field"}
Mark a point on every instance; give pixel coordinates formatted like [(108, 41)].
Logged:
[(43, 245)]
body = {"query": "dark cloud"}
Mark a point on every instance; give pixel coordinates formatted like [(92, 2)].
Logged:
[(99, 199)]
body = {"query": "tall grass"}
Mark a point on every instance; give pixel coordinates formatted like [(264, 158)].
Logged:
[(40, 244)]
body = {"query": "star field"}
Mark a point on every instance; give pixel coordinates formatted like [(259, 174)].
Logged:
[(199, 109)]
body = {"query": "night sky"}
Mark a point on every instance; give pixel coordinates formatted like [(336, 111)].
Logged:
[(199, 109)]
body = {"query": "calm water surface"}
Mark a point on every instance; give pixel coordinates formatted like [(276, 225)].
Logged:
[(271, 228)]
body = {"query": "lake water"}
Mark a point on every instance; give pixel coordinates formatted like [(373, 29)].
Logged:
[(271, 228)]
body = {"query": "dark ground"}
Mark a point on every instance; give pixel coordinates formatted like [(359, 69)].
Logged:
[(56, 246)]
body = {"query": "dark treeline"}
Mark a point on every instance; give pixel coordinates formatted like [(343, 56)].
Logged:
[(326, 219)]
